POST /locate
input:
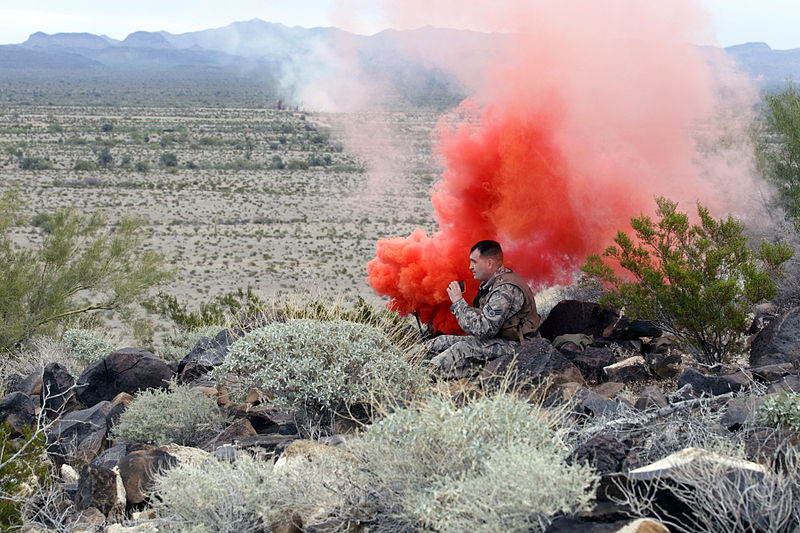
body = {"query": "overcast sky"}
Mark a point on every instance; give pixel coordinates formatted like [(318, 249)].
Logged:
[(736, 21)]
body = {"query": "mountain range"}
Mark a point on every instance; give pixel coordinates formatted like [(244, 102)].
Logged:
[(287, 58)]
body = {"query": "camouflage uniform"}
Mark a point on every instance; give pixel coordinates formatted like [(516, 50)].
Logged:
[(460, 356)]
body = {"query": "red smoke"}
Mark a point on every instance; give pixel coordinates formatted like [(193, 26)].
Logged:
[(589, 114)]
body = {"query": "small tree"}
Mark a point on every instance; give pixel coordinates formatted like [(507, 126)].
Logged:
[(81, 265), (779, 148), (698, 282)]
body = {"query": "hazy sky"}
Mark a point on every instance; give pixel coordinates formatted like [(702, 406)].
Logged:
[(737, 21)]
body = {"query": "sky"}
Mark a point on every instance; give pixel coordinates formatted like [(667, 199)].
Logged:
[(735, 21)]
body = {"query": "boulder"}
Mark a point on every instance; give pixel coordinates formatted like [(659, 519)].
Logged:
[(208, 353), (79, 435), (102, 488), (771, 373), (18, 410), (591, 362), (661, 360), (713, 385), (778, 342), (11, 382), (128, 370), (58, 389), (739, 411), (605, 454), (590, 403), (573, 316), (609, 389), (274, 444), (789, 384), (651, 397), (534, 362), (138, 469), (31, 384), (628, 370), (237, 431)]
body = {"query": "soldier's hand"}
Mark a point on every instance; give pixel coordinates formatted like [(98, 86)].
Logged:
[(454, 292)]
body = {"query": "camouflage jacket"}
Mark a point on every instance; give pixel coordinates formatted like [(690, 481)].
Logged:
[(504, 302)]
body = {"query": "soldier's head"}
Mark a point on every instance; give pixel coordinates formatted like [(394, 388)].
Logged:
[(485, 257)]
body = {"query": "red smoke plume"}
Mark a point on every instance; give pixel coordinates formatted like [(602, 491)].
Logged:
[(590, 114)]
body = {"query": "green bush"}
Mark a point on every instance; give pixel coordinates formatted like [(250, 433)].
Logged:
[(168, 159), (781, 410), (79, 265), (182, 343), (23, 469), (779, 148), (83, 165), (241, 496), (496, 464), (142, 166), (178, 415), (314, 369), (297, 164), (35, 163), (85, 346), (698, 282), (232, 306)]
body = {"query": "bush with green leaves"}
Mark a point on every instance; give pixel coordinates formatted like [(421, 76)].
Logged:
[(314, 368), (781, 410), (81, 265), (779, 147), (240, 496), (696, 281), (23, 469), (496, 464), (177, 415), (85, 345)]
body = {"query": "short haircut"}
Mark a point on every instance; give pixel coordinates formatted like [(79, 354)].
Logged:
[(488, 249)]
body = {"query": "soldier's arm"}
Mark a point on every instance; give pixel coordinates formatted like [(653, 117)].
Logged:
[(503, 302)]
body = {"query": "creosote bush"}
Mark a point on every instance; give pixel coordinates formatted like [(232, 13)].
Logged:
[(696, 281), (178, 415), (85, 345), (184, 340), (314, 368)]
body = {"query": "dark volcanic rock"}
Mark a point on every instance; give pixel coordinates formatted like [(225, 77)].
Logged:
[(779, 342), (628, 330), (58, 389), (237, 431), (79, 434), (713, 385), (573, 316), (740, 410), (651, 397), (535, 361), (128, 370), (18, 410), (98, 488), (138, 469), (591, 361)]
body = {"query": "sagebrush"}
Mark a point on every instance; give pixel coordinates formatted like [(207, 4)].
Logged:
[(314, 368), (177, 415)]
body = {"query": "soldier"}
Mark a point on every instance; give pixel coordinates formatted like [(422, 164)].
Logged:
[(502, 316)]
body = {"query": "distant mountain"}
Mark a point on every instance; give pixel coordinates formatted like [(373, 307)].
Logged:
[(287, 58)]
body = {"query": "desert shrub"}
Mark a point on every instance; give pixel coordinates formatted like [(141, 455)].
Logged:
[(104, 157), (496, 464), (182, 342), (723, 495), (23, 469), (35, 163), (781, 410), (168, 159), (240, 496), (314, 369), (142, 166), (83, 164), (779, 147), (81, 265), (297, 164), (223, 309), (696, 281), (178, 415), (85, 345)]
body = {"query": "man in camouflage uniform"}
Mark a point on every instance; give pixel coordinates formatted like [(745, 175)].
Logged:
[(502, 316)]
